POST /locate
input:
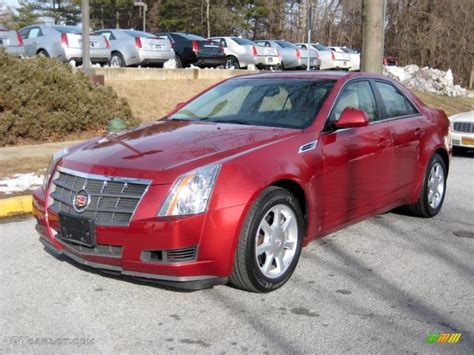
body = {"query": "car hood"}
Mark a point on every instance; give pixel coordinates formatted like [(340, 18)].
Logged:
[(464, 116), (163, 150)]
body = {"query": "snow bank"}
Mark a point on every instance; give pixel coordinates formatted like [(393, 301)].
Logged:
[(21, 182), (425, 79)]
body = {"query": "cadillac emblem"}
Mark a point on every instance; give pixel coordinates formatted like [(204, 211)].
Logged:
[(81, 201)]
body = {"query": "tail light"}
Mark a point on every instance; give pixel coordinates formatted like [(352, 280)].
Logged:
[(385, 61), (298, 53), (107, 44), (138, 42), (20, 39), (64, 40), (333, 56), (254, 51), (195, 46), (278, 52)]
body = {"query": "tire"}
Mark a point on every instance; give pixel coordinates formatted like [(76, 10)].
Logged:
[(281, 66), (231, 61), (434, 184), (179, 63), (43, 53), (270, 267), (116, 60)]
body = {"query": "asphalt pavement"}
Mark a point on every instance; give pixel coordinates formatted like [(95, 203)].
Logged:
[(380, 286)]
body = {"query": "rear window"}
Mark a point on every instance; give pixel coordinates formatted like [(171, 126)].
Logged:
[(320, 47), (139, 34), (349, 50), (285, 44), (192, 37), (243, 41), (66, 29)]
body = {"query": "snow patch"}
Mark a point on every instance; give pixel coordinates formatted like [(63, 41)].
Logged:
[(170, 64), (425, 79), (21, 182)]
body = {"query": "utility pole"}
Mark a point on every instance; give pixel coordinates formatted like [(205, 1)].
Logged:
[(309, 24), (86, 47), (373, 18)]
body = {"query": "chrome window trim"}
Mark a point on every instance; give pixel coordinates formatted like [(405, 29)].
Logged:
[(104, 177)]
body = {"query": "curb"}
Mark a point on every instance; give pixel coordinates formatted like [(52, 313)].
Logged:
[(14, 206)]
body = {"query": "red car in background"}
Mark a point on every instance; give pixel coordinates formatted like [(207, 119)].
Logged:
[(237, 180)]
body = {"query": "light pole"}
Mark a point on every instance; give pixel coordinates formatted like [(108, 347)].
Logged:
[(145, 8)]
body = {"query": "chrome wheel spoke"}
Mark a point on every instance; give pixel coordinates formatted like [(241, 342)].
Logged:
[(266, 228), (435, 185), (268, 264), (286, 224), (289, 244), (263, 248)]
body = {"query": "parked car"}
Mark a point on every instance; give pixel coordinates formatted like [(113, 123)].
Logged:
[(354, 56), (341, 58), (131, 48), (63, 43), (390, 60), (291, 56), (327, 57), (195, 50), (238, 179), (242, 52), (462, 130), (11, 42)]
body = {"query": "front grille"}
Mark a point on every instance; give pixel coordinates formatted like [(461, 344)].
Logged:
[(112, 200), (170, 255), (465, 127)]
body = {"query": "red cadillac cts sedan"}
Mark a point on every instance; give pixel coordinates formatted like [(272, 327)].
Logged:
[(233, 183)]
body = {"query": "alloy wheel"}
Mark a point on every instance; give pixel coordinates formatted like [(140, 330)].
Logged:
[(435, 185), (276, 241)]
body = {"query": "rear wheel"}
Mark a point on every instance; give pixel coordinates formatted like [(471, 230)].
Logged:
[(43, 53), (116, 60), (433, 191), (270, 242), (179, 63), (232, 61)]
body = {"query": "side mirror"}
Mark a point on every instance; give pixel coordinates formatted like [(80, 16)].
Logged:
[(352, 117)]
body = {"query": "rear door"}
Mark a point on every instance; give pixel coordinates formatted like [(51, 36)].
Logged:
[(408, 128), (357, 161)]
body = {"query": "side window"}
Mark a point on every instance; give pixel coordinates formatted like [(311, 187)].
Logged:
[(108, 35), (35, 32), (24, 33), (357, 95), (396, 104), (223, 42)]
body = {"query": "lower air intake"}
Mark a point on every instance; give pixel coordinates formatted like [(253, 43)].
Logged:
[(170, 255)]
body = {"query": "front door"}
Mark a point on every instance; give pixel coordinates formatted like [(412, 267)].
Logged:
[(357, 161)]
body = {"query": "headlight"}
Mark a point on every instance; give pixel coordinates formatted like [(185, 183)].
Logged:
[(52, 165), (191, 192)]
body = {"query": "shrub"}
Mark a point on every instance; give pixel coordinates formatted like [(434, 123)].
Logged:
[(42, 99)]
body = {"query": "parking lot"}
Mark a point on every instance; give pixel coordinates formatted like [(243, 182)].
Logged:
[(380, 286)]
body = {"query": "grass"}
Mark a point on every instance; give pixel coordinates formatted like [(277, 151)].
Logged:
[(450, 105)]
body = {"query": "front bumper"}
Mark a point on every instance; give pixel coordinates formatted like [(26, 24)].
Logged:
[(461, 139), (124, 249)]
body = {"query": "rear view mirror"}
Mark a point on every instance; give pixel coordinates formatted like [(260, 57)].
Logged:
[(352, 117)]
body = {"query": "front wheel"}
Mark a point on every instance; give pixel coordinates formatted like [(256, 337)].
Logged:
[(270, 242), (116, 60), (433, 191)]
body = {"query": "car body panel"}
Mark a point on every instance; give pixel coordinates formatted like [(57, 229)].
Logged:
[(350, 174)]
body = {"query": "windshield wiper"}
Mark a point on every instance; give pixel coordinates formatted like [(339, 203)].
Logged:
[(227, 121)]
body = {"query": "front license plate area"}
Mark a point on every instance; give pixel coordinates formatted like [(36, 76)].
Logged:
[(467, 141), (77, 230)]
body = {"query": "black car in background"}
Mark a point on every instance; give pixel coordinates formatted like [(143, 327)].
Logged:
[(193, 49)]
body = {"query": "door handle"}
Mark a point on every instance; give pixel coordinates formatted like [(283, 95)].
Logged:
[(419, 132)]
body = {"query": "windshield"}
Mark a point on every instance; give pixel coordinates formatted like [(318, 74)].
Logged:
[(275, 102), (320, 47)]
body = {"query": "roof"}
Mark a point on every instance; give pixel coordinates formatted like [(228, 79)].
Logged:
[(329, 75)]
